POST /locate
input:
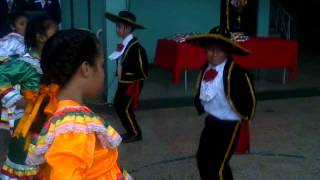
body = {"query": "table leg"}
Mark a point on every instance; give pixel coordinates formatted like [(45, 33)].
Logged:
[(284, 76), (257, 75), (185, 81)]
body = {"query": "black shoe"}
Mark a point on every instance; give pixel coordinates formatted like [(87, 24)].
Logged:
[(126, 138)]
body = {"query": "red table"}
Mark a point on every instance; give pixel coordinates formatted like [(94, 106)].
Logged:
[(266, 53)]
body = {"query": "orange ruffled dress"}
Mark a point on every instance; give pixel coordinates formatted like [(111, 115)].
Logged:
[(76, 144)]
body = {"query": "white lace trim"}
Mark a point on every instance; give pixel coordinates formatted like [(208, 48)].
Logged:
[(208, 90), (107, 140)]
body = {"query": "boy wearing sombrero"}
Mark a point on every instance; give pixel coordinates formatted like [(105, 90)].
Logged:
[(132, 70), (226, 94)]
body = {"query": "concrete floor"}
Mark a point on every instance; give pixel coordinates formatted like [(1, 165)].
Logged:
[(285, 143)]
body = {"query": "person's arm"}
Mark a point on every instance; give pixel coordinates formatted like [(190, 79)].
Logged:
[(6, 46), (10, 72), (15, 72), (197, 101), (135, 65), (251, 97), (11, 46), (4, 52), (70, 155), (20, 49), (143, 62), (243, 93)]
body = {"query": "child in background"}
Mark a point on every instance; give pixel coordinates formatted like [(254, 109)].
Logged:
[(13, 43), (26, 72), (132, 70)]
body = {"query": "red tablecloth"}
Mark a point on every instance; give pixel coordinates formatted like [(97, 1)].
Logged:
[(266, 53)]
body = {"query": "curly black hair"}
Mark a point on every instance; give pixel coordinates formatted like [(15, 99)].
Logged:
[(14, 16), (61, 56), (64, 52), (37, 25)]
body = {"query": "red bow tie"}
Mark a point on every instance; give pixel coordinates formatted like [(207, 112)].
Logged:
[(120, 47), (210, 75)]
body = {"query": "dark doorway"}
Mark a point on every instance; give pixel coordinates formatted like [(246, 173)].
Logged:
[(241, 19)]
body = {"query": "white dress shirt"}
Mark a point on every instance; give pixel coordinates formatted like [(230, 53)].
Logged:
[(214, 99), (117, 55)]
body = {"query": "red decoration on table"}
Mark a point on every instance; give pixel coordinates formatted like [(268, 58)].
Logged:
[(176, 57)]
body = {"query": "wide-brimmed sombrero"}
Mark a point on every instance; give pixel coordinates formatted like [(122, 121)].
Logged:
[(220, 37), (125, 17)]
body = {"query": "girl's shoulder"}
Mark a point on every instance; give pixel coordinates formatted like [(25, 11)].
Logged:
[(72, 120), (78, 115), (78, 119), (81, 119)]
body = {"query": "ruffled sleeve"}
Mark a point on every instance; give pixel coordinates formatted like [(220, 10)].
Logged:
[(75, 144), (15, 72), (12, 44), (72, 120)]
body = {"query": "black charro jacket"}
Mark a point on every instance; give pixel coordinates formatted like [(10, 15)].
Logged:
[(134, 63), (238, 89)]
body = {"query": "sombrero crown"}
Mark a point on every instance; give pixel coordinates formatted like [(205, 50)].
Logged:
[(218, 36), (125, 17)]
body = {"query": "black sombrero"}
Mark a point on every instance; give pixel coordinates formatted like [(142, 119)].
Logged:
[(125, 17), (218, 36)]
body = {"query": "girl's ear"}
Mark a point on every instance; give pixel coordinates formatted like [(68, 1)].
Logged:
[(85, 69)]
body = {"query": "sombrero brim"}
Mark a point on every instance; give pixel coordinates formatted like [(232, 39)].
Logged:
[(205, 40), (115, 18)]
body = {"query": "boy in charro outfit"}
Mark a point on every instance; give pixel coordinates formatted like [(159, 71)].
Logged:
[(132, 70), (226, 94)]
